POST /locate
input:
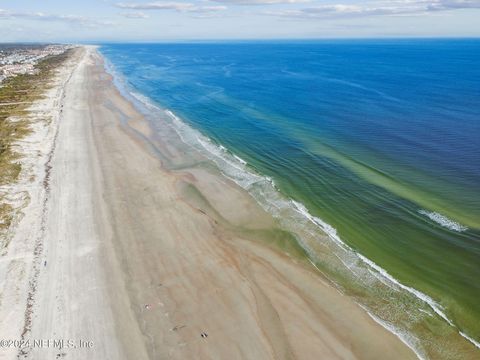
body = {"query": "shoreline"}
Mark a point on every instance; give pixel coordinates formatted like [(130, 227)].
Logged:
[(421, 306), (143, 260), (143, 128), (455, 342)]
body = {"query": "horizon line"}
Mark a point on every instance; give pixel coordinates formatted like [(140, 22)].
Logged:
[(279, 39)]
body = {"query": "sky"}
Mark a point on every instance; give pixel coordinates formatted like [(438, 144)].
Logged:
[(170, 20)]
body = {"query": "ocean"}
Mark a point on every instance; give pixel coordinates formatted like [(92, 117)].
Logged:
[(368, 151)]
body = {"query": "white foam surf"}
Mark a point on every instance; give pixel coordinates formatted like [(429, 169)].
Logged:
[(332, 233), (420, 295), (144, 100), (474, 342), (443, 220), (406, 338), (326, 228)]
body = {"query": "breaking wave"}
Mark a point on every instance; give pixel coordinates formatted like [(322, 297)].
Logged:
[(443, 221)]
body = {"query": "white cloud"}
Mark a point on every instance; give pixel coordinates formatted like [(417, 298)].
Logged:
[(72, 19), (136, 15), (389, 8), (177, 6), (214, 8), (261, 2)]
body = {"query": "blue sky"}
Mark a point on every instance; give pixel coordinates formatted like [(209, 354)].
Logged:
[(157, 20)]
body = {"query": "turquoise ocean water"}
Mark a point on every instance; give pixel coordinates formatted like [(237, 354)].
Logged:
[(375, 143)]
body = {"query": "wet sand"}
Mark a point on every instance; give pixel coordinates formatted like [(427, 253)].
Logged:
[(148, 262)]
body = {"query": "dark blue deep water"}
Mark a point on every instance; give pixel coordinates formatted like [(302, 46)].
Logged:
[(379, 138)]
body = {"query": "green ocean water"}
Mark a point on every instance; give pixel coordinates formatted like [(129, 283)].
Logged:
[(367, 151)]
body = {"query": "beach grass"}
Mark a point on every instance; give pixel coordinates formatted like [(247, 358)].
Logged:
[(16, 95), (5, 216)]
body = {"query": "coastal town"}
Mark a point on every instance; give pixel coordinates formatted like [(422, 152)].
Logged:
[(22, 59)]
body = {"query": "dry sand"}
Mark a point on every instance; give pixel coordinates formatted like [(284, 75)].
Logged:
[(142, 260)]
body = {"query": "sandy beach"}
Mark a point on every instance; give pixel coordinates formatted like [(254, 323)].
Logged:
[(129, 259)]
